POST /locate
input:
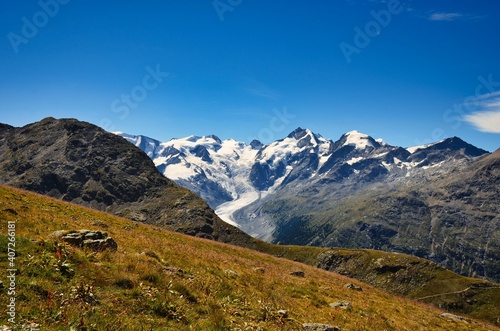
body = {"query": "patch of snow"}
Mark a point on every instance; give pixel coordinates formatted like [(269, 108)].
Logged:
[(354, 160), (179, 171), (358, 139), (380, 155), (434, 165), (415, 148), (387, 165)]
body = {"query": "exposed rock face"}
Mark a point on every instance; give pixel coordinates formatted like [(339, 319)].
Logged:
[(81, 163)]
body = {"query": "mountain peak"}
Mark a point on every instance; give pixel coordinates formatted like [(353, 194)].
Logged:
[(214, 137), (359, 140), (298, 133), (256, 144), (305, 137), (456, 144)]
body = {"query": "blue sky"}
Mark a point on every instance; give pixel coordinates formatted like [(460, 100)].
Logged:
[(410, 72)]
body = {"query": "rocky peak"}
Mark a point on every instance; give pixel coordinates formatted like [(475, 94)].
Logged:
[(214, 137), (450, 148), (256, 144)]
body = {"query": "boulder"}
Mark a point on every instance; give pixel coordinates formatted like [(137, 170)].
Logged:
[(346, 305), (454, 318), (95, 240), (353, 287), (231, 273), (283, 313), (320, 327), (298, 273)]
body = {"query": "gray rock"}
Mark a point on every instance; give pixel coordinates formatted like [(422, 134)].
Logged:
[(454, 318), (99, 245), (283, 313), (259, 269), (57, 234), (95, 235), (298, 273), (231, 273), (94, 240), (74, 239), (320, 327), (353, 287), (346, 305)]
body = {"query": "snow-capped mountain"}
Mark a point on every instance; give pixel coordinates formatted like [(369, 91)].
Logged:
[(231, 175), (217, 170)]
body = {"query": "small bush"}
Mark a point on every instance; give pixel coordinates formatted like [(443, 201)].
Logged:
[(152, 277), (124, 283)]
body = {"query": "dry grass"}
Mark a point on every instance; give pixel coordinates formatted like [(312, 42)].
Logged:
[(159, 280)]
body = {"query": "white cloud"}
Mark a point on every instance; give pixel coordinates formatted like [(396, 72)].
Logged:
[(487, 118), (486, 121), (261, 90), (445, 16)]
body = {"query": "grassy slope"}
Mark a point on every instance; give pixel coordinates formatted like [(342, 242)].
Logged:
[(163, 280)]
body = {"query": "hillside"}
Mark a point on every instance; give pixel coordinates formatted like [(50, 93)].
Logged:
[(79, 162), (158, 279)]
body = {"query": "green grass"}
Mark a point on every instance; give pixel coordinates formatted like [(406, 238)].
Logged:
[(159, 280)]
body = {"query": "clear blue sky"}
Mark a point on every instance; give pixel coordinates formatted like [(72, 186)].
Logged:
[(410, 72)]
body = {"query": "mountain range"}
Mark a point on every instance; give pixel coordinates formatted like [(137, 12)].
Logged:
[(436, 201)]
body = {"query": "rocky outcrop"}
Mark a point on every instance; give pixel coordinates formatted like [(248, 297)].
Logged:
[(345, 305), (320, 327), (97, 241)]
